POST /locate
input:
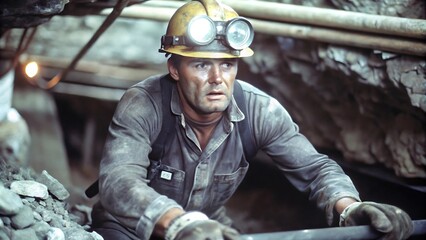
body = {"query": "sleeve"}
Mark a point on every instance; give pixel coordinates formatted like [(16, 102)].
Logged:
[(124, 190), (309, 171)]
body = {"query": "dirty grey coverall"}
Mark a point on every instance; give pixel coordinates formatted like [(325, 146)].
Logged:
[(192, 179)]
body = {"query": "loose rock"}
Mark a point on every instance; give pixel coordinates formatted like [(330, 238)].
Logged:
[(24, 234), (10, 202), (55, 234), (30, 188), (23, 219), (36, 216), (53, 185)]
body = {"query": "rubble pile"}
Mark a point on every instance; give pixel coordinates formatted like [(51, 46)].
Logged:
[(33, 207)]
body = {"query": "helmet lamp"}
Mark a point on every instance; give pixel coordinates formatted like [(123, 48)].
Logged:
[(235, 34), (201, 30), (239, 33)]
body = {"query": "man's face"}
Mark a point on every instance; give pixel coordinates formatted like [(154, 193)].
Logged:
[(205, 85)]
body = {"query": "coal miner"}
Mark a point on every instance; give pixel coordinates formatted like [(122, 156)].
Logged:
[(179, 144)]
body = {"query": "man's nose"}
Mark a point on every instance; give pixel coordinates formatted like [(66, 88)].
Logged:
[(215, 75)]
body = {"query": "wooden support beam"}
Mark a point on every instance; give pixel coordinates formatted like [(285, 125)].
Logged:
[(310, 27), (356, 21)]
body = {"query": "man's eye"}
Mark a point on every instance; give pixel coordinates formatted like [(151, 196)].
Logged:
[(227, 65), (200, 65)]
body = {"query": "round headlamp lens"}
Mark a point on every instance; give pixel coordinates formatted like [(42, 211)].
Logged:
[(201, 30), (239, 34)]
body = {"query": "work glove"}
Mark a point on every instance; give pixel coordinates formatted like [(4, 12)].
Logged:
[(197, 226), (388, 219)]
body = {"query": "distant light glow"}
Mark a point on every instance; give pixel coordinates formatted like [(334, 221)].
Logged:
[(13, 115), (31, 69)]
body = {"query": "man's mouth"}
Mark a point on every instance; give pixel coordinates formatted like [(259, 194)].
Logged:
[(215, 95), (215, 92)]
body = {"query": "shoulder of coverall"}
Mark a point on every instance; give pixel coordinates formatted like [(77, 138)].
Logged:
[(151, 83), (249, 89)]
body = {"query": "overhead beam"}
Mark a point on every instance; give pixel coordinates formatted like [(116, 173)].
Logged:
[(355, 21), (153, 10)]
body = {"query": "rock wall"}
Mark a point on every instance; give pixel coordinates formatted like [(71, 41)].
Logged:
[(353, 100), (370, 105)]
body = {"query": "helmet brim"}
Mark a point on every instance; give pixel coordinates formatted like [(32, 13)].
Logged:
[(189, 52)]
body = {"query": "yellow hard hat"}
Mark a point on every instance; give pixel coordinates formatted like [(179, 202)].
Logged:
[(207, 29)]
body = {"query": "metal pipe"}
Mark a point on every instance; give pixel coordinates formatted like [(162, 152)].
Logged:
[(24, 42), (333, 233), (364, 40), (404, 27), (6, 92), (147, 12), (340, 37), (282, 12), (120, 5)]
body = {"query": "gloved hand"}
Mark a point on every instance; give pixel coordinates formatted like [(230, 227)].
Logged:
[(388, 219), (197, 226)]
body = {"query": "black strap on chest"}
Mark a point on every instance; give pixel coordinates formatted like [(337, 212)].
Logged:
[(169, 120)]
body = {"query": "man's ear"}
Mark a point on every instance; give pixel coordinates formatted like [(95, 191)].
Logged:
[(174, 73)]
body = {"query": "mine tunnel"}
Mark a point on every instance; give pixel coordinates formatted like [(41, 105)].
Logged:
[(352, 74)]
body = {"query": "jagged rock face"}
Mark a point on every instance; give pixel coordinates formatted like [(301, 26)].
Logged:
[(398, 8), (357, 101), (401, 8), (28, 13), (370, 105)]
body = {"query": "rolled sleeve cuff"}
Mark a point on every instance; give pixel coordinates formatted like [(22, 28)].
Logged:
[(329, 208), (152, 214)]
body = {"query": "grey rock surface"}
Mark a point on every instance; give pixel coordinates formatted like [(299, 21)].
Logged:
[(23, 219), (10, 202), (35, 218), (53, 185), (30, 188)]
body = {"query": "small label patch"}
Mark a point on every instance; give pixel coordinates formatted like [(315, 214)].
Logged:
[(166, 175)]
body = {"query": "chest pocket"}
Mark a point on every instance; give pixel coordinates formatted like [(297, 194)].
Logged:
[(168, 181), (224, 186)]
